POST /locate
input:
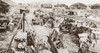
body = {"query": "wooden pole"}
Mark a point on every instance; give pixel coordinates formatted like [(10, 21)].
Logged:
[(23, 22), (21, 25)]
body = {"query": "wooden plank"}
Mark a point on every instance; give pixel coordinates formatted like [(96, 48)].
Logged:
[(53, 48)]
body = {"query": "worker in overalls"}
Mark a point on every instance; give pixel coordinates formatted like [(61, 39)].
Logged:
[(30, 43)]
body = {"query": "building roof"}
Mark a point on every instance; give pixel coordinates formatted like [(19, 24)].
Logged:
[(95, 6), (78, 5), (61, 5), (46, 5), (7, 2)]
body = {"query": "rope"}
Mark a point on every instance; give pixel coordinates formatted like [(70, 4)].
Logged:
[(14, 34)]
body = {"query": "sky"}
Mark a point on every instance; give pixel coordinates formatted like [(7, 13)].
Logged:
[(68, 2)]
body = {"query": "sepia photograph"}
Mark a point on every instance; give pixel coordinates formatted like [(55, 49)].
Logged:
[(49, 26)]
